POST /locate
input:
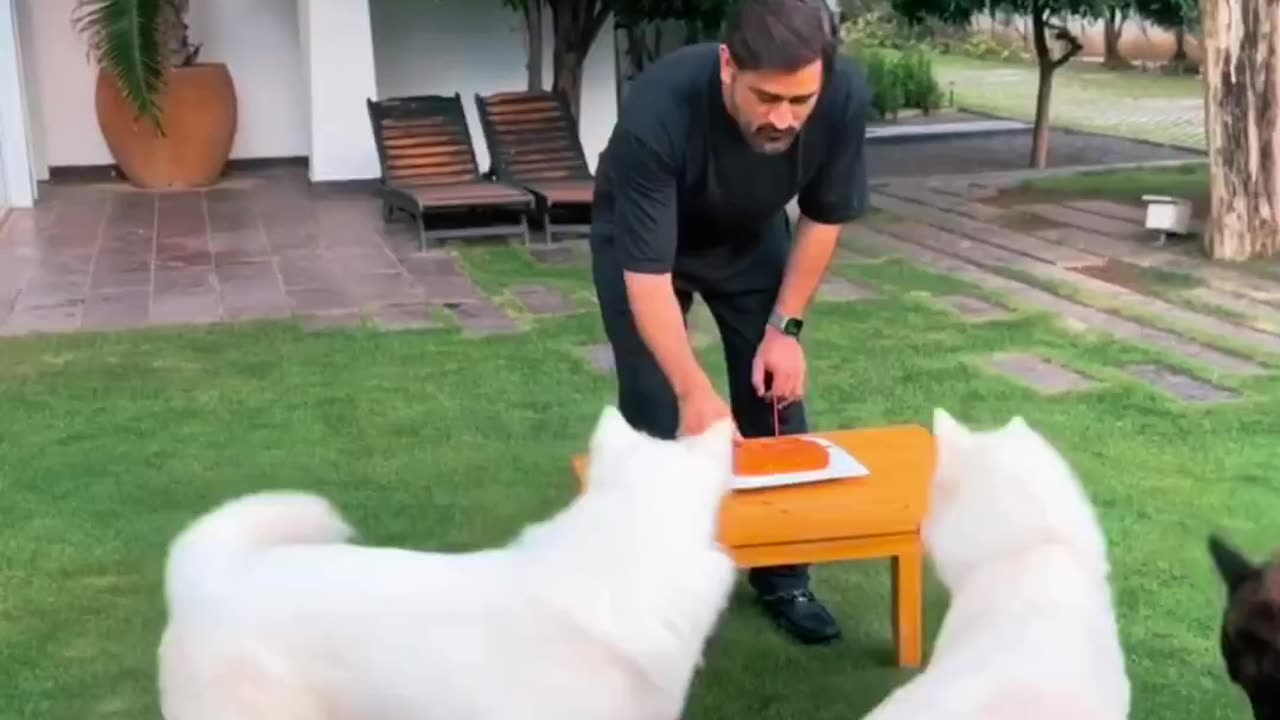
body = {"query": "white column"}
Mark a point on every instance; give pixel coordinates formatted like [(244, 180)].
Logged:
[(337, 49), (15, 146)]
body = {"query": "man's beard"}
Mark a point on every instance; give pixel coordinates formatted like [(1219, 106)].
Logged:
[(766, 138), (770, 140)]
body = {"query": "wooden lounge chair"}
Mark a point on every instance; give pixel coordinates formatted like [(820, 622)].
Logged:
[(429, 169), (534, 143)]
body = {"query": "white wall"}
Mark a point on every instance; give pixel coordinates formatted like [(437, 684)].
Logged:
[(17, 186), (258, 39), (339, 85), (441, 46), (473, 47)]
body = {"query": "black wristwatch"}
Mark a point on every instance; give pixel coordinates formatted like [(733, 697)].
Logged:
[(786, 325)]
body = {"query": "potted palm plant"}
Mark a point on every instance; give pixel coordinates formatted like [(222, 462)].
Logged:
[(167, 119)]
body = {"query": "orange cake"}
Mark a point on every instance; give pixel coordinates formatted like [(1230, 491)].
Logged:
[(780, 455)]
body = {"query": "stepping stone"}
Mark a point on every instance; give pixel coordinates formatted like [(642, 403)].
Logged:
[(561, 254), (404, 317), (1046, 377), (838, 289), (1070, 311), (116, 310), (600, 357), (1086, 220), (543, 300), (974, 308), (1107, 208), (1184, 387), (483, 318), (330, 321)]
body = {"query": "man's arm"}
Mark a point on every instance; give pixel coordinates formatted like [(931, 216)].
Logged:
[(837, 195), (645, 235)]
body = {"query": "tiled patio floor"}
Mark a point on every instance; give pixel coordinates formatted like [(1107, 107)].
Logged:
[(263, 244)]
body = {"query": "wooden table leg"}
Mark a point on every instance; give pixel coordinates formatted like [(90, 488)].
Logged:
[(908, 607)]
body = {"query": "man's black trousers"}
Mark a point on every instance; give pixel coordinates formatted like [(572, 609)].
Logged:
[(648, 402)]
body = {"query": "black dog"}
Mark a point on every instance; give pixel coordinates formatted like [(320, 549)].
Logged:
[(1250, 636)]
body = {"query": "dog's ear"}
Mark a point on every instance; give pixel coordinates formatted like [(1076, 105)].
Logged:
[(612, 431), (715, 443), (1233, 567), (947, 428)]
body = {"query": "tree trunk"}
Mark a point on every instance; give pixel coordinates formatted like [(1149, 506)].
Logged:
[(1047, 64), (1044, 89), (1112, 28), (1179, 46), (568, 78), (1242, 75), (576, 23), (533, 28)]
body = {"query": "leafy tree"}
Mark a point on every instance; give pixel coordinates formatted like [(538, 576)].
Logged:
[(644, 20), (1053, 41), (576, 24), (531, 11), (1176, 16)]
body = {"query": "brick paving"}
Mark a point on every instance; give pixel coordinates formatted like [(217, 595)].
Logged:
[(1046, 377), (268, 245)]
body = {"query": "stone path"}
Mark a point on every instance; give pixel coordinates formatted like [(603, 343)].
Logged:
[(1217, 317), (270, 245), (264, 245)]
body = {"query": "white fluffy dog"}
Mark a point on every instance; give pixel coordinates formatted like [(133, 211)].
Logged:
[(1030, 631), (601, 612)]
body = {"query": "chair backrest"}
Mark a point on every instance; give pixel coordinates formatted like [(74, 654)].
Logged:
[(423, 139), (532, 136)]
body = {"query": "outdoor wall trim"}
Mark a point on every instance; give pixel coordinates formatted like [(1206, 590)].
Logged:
[(339, 83)]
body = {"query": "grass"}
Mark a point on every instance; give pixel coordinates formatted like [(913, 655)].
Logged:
[(109, 444), (1128, 103)]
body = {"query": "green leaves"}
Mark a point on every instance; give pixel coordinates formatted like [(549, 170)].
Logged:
[(126, 37)]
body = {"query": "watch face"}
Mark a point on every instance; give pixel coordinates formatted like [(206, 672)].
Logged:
[(792, 326)]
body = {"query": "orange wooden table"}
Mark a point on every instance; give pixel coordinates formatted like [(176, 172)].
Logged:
[(876, 516)]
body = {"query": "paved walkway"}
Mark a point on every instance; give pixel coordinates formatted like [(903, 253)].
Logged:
[(263, 245), (268, 245), (1090, 262)]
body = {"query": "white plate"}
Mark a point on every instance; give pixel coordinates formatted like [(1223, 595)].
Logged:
[(840, 465)]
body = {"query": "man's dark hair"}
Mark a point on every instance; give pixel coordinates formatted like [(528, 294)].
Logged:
[(780, 35)]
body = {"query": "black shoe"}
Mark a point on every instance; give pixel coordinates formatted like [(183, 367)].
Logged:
[(800, 614)]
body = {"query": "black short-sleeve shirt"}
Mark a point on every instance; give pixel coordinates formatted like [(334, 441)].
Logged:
[(679, 190)]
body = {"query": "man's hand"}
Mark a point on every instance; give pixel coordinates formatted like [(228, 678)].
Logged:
[(782, 357), (701, 409)]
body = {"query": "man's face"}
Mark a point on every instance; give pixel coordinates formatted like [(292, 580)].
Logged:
[(770, 107)]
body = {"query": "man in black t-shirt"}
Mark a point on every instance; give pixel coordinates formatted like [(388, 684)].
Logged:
[(713, 141)]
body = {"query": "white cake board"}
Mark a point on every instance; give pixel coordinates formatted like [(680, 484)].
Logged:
[(840, 465)]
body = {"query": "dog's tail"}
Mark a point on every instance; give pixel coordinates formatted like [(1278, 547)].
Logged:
[(204, 556)]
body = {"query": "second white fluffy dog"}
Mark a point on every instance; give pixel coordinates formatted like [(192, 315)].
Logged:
[(1030, 631), (602, 611)]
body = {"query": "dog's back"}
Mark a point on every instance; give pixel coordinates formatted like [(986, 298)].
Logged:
[(599, 611), (1250, 634), (1014, 539)]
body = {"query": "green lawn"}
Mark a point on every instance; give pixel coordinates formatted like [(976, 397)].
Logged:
[(110, 443), (1128, 103)]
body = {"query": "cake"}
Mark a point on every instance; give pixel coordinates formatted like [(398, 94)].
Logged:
[(779, 456)]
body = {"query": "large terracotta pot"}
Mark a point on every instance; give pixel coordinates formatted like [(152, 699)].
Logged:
[(198, 115)]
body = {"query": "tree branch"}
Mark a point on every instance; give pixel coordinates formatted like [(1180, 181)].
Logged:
[(1062, 33)]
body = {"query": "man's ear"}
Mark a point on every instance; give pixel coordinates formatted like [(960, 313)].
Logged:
[(1233, 567), (727, 68)]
